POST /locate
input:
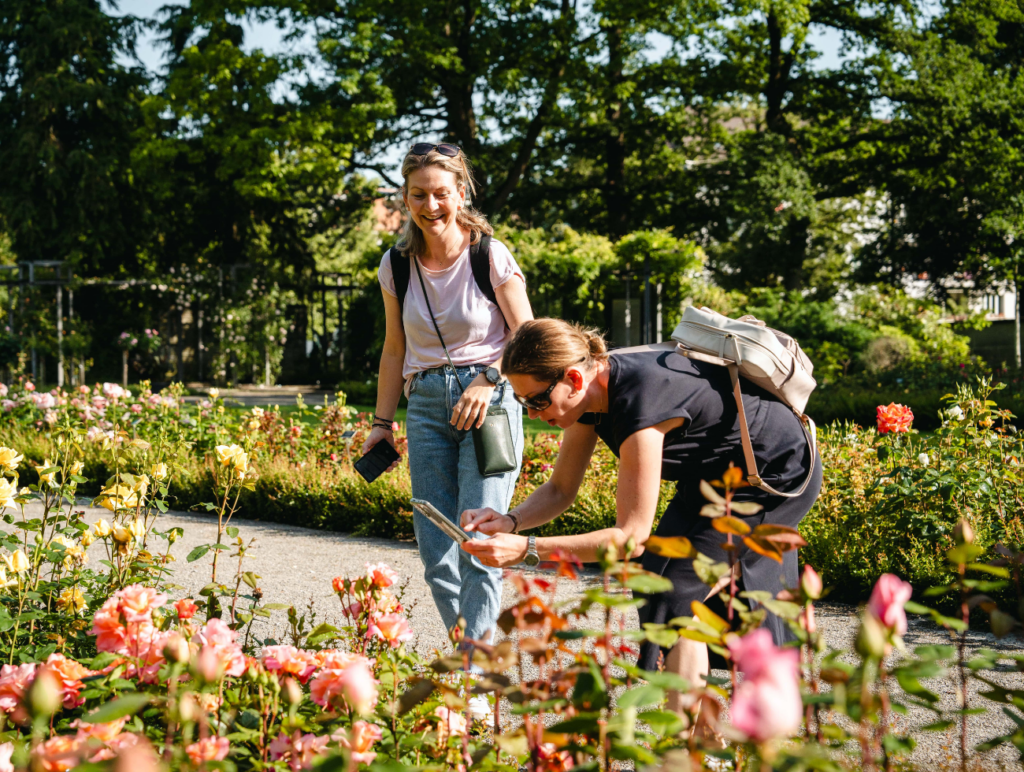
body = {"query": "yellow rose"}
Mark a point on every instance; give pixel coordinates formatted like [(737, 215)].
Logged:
[(227, 453), (118, 497), (87, 539), (141, 485), (159, 472), (10, 458), (257, 412), (121, 534), (8, 490), (44, 478), (241, 464), (77, 467), (71, 599), (16, 563), (138, 529), (72, 551), (102, 528), (214, 393)]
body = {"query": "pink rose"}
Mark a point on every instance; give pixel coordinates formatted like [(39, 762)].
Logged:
[(208, 749), (69, 674), (451, 724), (767, 703), (14, 682), (811, 583), (360, 741), (220, 640), (138, 602), (887, 601), (393, 628), (381, 574), (288, 660), (6, 751), (299, 750), (345, 678)]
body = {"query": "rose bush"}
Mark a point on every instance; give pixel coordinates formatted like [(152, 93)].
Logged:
[(129, 673)]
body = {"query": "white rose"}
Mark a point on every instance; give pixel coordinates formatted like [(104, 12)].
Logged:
[(923, 459)]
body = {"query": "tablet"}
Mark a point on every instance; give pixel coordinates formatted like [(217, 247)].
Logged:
[(432, 514)]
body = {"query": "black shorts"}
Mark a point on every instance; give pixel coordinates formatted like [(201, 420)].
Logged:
[(683, 518)]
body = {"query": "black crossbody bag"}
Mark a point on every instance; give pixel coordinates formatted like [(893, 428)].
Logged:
[(495, 451)]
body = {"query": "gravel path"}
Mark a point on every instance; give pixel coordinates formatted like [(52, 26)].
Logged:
[(296, 565)]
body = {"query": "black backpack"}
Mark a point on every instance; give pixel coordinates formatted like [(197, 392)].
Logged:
[(479, 260)]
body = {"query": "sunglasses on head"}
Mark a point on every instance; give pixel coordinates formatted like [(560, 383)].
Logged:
[(422, 148)]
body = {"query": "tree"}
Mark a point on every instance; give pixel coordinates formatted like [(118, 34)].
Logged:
[(951, 160), (68, 109), (485, 75)]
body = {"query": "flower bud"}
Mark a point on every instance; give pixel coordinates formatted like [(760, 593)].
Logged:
[(630, 547), (872, 639), (122, 534), (45, 694), (102, 528), (963, 533), (176, 649), (87, 538), (608, 555), (188, 710), (159, 472), (292, 692), (17, 563), (810, 583)]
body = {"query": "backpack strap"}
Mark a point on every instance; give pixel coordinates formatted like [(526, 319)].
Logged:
[(748, 449), (480, 262), (400, 272)]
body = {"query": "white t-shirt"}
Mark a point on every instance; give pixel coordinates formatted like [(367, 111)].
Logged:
[(473, 327)]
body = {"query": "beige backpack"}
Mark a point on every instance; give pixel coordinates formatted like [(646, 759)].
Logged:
[(766, 357)]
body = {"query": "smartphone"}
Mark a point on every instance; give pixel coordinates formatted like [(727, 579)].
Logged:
[(375, 463), (434, 515)]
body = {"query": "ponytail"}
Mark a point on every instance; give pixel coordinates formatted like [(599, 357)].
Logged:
[(546, 348)]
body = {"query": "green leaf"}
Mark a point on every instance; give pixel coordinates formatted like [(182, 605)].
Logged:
[(197, 553), (231, 531), (125, 705), (649, 584), (641, 696), (664, 722)]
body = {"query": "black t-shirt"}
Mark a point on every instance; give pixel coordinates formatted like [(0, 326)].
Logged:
[(648, 387)]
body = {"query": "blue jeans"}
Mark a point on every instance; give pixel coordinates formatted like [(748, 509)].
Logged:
[(442, 463)]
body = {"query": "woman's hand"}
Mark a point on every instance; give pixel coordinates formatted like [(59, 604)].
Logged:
[(380, 434), (504, 549), (486, 521), (471, 409)]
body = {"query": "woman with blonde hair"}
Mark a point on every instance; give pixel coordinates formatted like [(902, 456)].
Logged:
[(666, 417), (452, 295)]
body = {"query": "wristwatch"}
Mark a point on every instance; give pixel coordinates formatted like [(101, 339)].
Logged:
[(532, 559), (492, 375)]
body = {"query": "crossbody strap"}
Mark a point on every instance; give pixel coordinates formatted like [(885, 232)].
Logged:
[(437, 329), (748, 449)]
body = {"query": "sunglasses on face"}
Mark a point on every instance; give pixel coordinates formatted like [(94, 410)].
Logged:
[(541, 401), (537, 402), (422, 148)]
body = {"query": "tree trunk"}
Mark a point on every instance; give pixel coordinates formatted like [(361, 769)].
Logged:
[(615, 194), (779, 66)]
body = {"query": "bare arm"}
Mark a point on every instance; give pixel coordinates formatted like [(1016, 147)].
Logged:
[(471, 409), (390, 381), (639, 484), (552, 498)]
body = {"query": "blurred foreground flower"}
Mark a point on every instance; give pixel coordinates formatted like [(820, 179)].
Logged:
[(888, 597), (767, 704)]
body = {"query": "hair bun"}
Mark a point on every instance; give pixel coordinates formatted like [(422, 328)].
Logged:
[(595, 342)]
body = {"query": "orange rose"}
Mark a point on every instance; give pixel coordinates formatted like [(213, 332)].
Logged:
[(894, 418)]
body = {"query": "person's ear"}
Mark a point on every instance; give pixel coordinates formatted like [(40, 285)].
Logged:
[(575, 378)]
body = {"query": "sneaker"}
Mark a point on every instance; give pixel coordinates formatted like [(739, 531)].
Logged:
[(480, 709)]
